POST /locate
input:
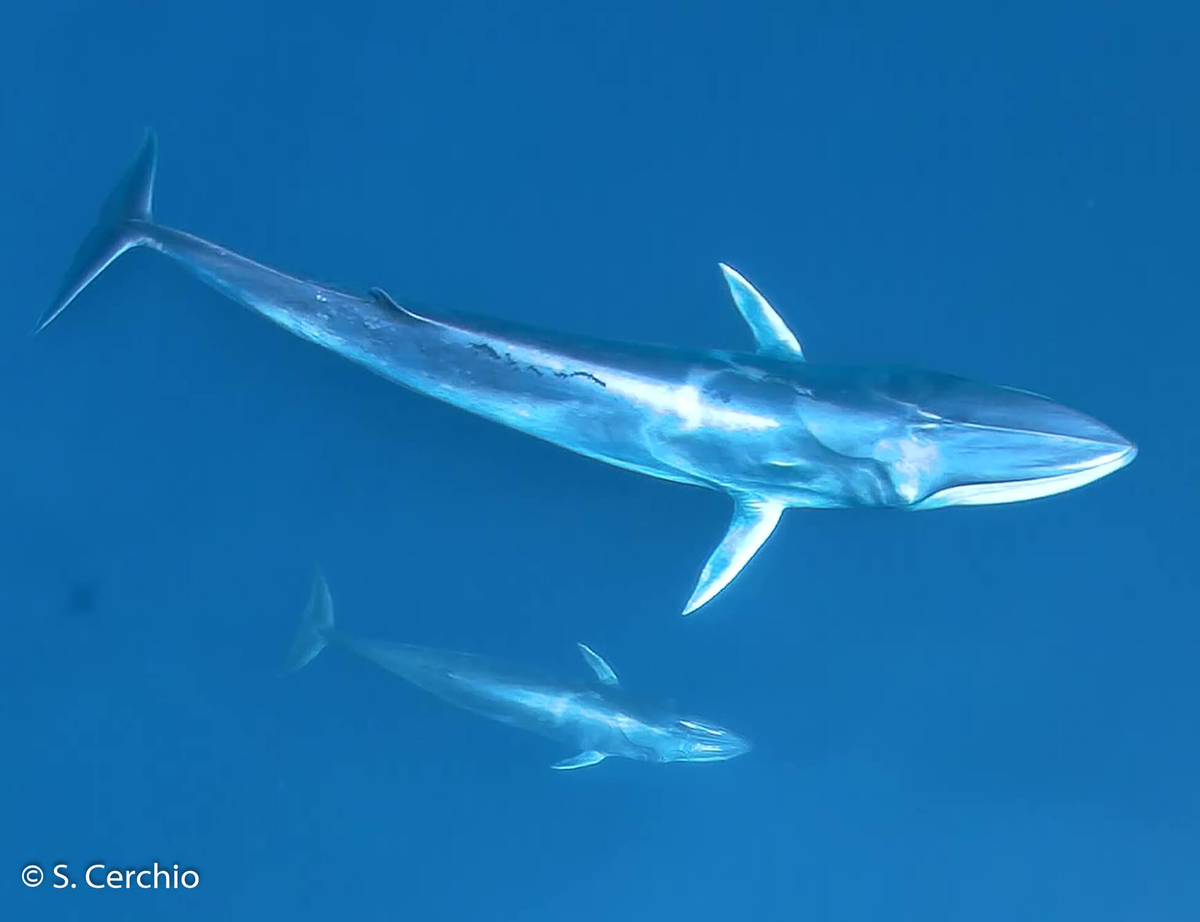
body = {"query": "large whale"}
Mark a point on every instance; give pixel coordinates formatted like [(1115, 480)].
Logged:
[(598, 722), (767, 428)]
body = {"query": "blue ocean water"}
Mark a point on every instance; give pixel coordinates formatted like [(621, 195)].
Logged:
[(986, 713)]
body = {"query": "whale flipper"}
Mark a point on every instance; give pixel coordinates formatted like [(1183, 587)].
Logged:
[(754, 518), (604, 672), (770, 332), (583, 760)]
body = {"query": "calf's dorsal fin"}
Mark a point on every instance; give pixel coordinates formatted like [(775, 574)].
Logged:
[(604, 672)]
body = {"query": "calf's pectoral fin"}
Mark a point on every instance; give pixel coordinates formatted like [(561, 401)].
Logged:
[(770, 332), (754, 518), (583, 760)]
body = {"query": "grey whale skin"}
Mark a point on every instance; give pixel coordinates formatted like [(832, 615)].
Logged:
[(597, 722), (767, 428)]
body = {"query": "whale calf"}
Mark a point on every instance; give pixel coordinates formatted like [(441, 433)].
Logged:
[(597, 722), (768, 428)]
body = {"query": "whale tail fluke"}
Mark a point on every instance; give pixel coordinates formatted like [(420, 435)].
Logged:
[(124, 222), (316, 624)]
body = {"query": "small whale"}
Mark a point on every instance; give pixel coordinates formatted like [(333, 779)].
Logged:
[(767, 428), (596, 722)]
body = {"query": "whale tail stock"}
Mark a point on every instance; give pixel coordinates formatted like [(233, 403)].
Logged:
[(124, 222), (316, 624)]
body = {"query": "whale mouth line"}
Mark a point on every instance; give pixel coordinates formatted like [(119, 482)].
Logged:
[(1014, 491), (1117, 443)]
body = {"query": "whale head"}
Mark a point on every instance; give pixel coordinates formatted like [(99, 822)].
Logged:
[(695, 740)]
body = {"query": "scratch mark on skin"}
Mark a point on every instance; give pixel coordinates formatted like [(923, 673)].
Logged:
[(580, 374), (508, 359), (484, 347)]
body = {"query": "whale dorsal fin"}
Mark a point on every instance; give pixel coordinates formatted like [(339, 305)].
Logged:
[(770, 332), (754, 518), (604, 672), (382, 297), (583, 760)]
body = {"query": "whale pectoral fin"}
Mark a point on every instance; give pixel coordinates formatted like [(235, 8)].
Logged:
[(754, 518), (770, 332), (583, 760), (604, 672)]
